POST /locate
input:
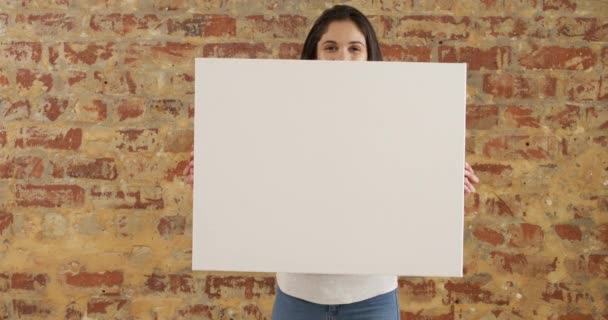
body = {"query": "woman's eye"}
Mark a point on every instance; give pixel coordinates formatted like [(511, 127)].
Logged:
[(330, 48), (356, 49)]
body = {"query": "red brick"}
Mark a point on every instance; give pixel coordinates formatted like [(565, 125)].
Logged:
[(28, 281), (588, 29), (499, 206), (48, 23), (3, 22), (252, 287), (86, 53), (575, 316), (26, 308), (102, 168), (179, 141), (169, 53), (156, 282), (150, 197), (26, 78), (521, 147), (236, 50), (434, 27), (171, 108), (108, 305), (50, 138), (602, 141), (566, 292), (76, 77), (182, 83), (6, 220), (562, 5), (4, 81), (568, 232), (598, 265), (383, 26), (554, 57), (476, 58), (291, 51), (204, 25), (176, 171), (171, 226), (596, 118), (96, 109), (181, 283), (89, 279), (594, 265), (22, 167), (132, 108), (409, 53), (49, 196), (417, 290), (72, 313), (488, 235), (123, 24), (526, 265), (425, 314), (471, 292), (568, 117), (21, 51), (4, 286), (605, 57), (54, 53), (252, 311), (282, 26), (197, 311), (497, 175), (54, 107), (578, 88), (3, 138), (521, 117), (525, 235), (115, 82), (481, 117), (134, 140), (501, 27), (511, 86), (599, 233), (16, 111)]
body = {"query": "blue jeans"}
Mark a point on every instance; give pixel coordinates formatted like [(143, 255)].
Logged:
[(382, 307)]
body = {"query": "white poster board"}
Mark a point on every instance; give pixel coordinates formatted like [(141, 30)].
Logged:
[(329, 167)]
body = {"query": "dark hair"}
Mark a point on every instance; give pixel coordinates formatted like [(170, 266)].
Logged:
[(341, 13)]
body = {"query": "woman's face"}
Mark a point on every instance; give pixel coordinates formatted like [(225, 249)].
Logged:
[(342, 41)]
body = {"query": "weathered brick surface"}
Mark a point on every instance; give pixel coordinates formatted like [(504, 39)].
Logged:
[(96, 124)]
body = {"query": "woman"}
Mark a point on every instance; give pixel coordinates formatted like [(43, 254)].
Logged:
[(340, 33)]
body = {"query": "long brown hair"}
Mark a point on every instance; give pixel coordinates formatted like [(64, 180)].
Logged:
[(341, 13)]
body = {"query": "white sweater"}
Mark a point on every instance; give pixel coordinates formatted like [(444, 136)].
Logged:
[(335, 289)]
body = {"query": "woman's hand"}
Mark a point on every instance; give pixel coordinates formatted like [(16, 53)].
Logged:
[(189, 170), (469, 180)]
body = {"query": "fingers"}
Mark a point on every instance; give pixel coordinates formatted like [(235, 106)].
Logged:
[(471, 176), (467, 191), (469, 185), (188, 168), (470, 173)]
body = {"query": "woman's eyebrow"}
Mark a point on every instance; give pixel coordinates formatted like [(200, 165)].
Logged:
[(359, 42), (329, 41)]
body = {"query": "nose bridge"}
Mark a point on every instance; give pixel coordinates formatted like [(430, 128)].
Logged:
[(343, 54)]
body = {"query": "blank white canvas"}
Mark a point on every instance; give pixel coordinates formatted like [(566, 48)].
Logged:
[(329, 167)]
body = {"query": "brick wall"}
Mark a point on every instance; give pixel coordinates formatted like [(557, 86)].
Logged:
[(96, 127)]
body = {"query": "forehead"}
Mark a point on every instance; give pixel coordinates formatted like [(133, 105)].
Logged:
[(343, 31)]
